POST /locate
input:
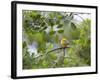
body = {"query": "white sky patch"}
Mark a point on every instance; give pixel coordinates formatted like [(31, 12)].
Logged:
[(33, 48), (79, 17), (55, 28), (48, 29)]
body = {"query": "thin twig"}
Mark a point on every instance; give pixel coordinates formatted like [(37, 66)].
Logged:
[(57, 49), (51, 51)]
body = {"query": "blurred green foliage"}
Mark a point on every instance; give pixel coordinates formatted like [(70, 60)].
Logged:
[(46, 30)]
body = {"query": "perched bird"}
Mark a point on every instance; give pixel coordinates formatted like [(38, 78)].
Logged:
[(64, 42)]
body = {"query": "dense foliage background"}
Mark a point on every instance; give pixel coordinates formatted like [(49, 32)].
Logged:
[(42, 32)]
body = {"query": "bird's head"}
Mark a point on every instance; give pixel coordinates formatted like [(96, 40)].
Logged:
[(64, 39)]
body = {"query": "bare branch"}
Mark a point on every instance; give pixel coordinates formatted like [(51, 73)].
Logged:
[(57, 49), (51, 51)]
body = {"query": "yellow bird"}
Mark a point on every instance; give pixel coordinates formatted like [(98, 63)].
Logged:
[(64, 42)]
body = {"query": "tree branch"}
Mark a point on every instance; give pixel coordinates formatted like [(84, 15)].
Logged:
[(57, 49), (51, 51)]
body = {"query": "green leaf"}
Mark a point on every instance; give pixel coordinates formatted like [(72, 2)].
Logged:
[(44, 28), (24, 44), (50, 46), (43, 24), (45, 64), (51, 23), (52, 32), (73, 25), (65, 61), (53, 56), (60, 31), (36, 28), (60, 25), (60, 17)]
